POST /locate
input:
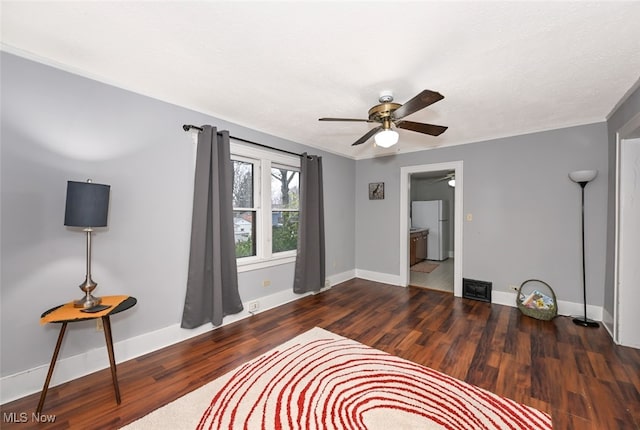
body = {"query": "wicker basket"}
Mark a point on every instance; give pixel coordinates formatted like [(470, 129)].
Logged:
[(526, 289)]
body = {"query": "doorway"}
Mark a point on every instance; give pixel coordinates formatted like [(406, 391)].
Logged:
[(626, 319), (434, 195), (405, 202)]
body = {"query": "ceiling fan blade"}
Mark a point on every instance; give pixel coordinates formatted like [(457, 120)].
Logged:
[(345, 119), (421, 101), (433, 130), (436, 180), (367, 136), (447, 177)]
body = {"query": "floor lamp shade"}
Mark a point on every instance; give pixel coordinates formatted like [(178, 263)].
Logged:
[(583, 175), (87, 204)]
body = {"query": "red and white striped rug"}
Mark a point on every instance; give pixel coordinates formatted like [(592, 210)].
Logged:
[(320, 380)]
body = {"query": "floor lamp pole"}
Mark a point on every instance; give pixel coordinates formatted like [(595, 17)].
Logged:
[(585, 322)]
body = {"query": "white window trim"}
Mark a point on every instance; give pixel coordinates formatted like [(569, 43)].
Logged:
[(264, 257)]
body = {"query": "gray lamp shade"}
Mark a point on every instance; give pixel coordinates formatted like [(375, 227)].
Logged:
[(87, 204)]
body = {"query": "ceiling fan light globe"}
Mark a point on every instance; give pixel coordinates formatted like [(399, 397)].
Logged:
[(386, 138)]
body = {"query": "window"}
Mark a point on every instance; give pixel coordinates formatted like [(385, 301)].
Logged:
[(284, 208), (244, 210), (265, 206)]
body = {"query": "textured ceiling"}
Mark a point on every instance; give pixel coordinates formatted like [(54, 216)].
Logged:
[(505, 68)]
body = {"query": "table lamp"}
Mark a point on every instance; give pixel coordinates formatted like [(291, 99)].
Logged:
[(87, 206)]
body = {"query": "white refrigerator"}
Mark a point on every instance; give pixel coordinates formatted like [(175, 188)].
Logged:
[(434, 215)]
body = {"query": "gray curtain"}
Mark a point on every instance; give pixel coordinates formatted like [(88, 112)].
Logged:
[(310, 261), (212, 284)]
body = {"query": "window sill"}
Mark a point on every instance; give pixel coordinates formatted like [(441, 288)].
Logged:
[(262, 264)]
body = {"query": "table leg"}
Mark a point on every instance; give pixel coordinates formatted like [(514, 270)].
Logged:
[(43, 395), (106, 324)]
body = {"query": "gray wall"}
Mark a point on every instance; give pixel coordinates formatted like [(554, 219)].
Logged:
[(622, 115), (526, 211), (57, 126)]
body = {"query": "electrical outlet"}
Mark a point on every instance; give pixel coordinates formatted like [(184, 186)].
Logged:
[(266, 283), (253, 306), (99, 326)]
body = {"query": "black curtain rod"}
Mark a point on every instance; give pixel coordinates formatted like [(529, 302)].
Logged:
[(188, 127)]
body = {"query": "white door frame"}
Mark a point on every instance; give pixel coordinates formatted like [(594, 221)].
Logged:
[(405, 189), (622, 134)]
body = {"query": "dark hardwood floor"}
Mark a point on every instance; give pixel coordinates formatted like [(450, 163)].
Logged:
[(576, 374)]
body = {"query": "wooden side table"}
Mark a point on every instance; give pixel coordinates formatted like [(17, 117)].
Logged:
[(65, 314)]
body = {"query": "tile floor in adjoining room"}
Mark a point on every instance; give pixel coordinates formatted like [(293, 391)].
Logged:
[(441, 278)]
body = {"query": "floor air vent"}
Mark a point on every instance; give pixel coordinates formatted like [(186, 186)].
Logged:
[(477, 290)]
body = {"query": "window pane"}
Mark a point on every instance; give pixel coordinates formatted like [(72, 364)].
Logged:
[(284, 188), (244, 229), (284, 228), (242, 184)]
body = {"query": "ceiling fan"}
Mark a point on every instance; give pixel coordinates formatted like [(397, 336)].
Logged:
[(449, 177), (446, 177), (387, 113)]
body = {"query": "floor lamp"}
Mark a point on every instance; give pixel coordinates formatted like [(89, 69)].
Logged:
[(582, 178), (87, 206)]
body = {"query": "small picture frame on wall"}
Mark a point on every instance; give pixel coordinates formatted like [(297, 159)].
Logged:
[(376, 191)]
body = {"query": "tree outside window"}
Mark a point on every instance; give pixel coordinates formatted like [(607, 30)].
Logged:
[(285, 201), (244, 211)]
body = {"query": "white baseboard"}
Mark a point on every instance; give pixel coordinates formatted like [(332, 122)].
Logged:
[(31, 381), (564, 308), (498, 297), (506, 298), (385, 278), (341, 277)]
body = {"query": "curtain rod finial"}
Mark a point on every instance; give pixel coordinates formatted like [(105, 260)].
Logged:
[(189, 127)]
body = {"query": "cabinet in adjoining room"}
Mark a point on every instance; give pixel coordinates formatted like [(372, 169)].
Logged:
[(417, 246)]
